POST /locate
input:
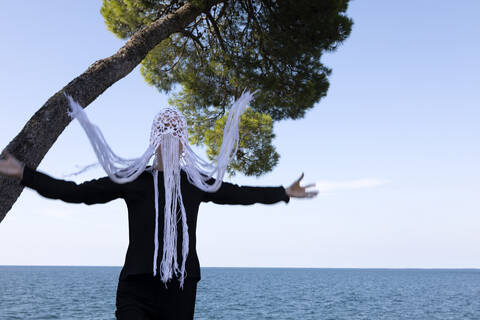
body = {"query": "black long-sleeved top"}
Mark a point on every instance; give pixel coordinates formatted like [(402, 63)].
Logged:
[(139, 197)]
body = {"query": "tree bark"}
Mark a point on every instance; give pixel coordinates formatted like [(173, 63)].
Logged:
[(43, 129)]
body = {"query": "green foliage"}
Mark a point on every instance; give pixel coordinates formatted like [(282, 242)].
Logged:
[(274, 46), (124, 17), (255, 153)]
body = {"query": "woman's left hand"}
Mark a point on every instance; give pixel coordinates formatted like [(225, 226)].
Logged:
[(296, 191)]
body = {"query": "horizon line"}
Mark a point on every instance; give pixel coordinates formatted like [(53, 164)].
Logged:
[(240, 267)]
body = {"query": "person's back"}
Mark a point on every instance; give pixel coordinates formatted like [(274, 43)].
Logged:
[(161, 267)]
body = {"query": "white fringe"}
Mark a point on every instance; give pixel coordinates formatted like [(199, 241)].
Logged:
[(198, 171)]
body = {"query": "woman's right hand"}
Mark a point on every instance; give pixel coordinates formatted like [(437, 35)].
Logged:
[(10, 166)]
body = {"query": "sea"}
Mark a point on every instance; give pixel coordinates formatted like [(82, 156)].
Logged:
[(36, 292)]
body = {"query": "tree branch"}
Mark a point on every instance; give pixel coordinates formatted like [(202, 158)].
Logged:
[(193, 37), (43, 129), (216, 30)]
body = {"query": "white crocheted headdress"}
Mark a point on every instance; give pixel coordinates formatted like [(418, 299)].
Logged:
[(169, 134)]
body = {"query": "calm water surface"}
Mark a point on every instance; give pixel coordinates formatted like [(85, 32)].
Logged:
[(254, 293)]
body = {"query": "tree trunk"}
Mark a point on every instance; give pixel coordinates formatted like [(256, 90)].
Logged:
[(43, 129)]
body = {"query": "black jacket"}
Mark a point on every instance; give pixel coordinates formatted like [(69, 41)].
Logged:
[(139, 197)]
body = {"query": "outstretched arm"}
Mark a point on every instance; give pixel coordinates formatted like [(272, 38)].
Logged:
[(230, 193), (234, 194), (90, 192)]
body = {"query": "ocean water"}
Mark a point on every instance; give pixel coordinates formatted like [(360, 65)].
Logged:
[(254, 293)]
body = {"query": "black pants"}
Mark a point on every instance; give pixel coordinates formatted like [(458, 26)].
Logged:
[(142, 297)]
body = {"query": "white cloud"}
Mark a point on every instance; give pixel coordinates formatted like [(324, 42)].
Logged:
[(330, 186)]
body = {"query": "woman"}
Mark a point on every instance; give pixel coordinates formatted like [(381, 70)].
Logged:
[(168, 292)]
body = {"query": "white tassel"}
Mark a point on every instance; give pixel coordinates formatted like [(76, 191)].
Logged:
[(198, 171), (118, 169), (155, 239)]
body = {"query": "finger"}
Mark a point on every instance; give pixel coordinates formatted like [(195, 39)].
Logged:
[(301, 177), (310, 185), (311, 194)]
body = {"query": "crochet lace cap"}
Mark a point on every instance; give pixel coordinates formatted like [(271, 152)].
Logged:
[(168, 121)]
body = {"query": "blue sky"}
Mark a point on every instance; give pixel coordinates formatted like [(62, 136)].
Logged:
[(393, 147)]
